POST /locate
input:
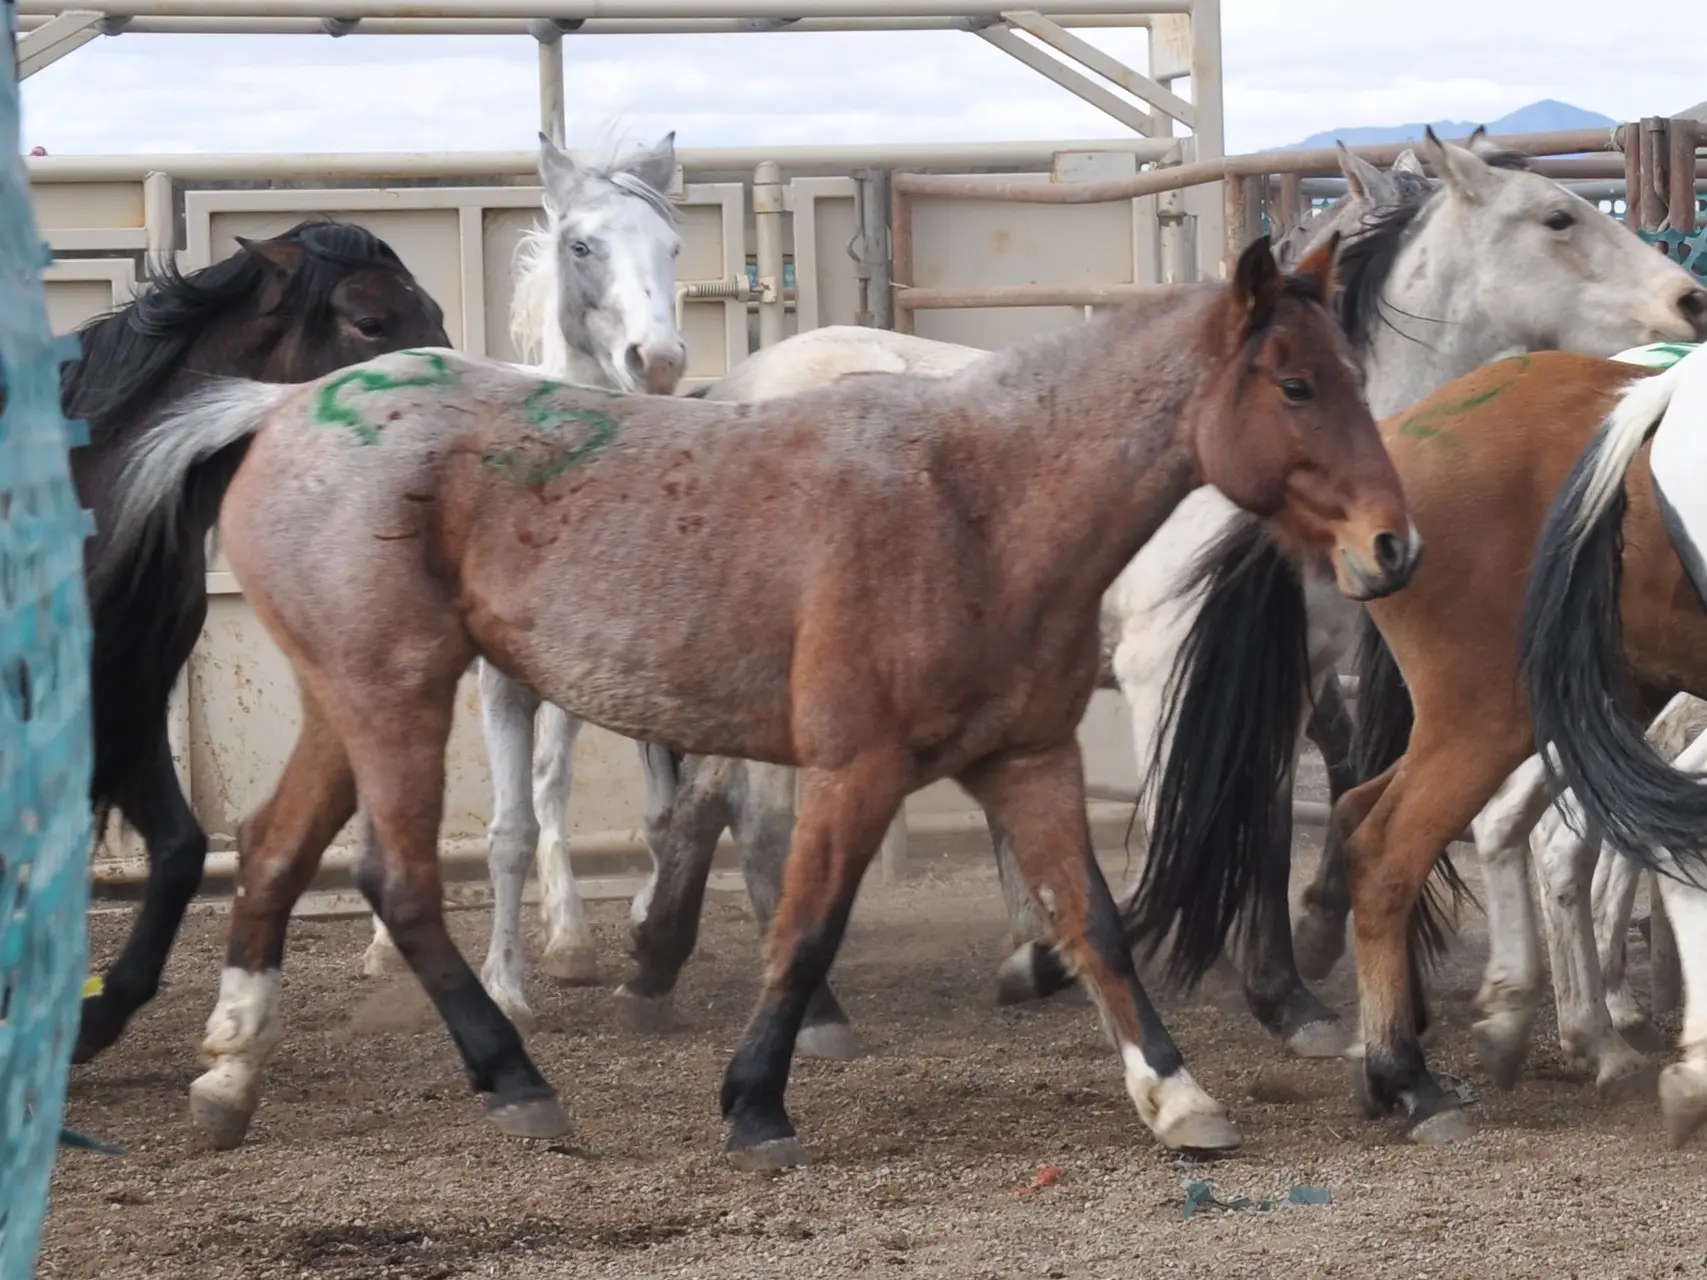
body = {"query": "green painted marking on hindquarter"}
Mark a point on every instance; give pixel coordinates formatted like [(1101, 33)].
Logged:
[(559, 460), (1426, 424), (329, 411)]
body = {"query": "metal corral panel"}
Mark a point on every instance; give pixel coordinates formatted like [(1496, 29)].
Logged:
[(236, 714)]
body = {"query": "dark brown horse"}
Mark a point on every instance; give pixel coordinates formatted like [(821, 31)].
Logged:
[(884, 581), (320, 296)]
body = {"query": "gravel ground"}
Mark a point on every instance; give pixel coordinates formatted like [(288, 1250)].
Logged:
[(933, 1153)]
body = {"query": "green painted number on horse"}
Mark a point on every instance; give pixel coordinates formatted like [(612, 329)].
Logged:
[(329, 411)]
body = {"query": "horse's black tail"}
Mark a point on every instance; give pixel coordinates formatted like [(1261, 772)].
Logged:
[(1582, 697), (148, 584), (1232, 710), (1381, 732)]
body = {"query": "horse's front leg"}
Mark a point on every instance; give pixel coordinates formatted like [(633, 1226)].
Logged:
[(506, 717), (1039, 800), (570, 956)]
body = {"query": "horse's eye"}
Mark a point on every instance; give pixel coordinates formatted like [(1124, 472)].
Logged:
[(580, 248), (1560, 221), (1295, 389), (369, 327)]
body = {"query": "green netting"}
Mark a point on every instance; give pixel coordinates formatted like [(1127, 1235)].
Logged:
[(1688, 250), (44, 719)]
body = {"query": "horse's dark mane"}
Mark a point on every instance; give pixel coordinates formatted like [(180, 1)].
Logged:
[(130, 353), (1366, 256)]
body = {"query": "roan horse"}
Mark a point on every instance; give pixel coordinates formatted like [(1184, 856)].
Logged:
[(845, 580), (1415, 250), (594, 304), (322, 295), (1482, 460)]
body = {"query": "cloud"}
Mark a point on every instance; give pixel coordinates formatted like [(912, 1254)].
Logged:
[(1291, 69)]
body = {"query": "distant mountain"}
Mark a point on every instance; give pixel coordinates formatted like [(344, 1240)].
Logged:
[(1545, 116)]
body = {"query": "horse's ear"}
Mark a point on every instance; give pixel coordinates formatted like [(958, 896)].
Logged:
[(280, 257), (1321, 264), (557, 170), (1256, 283), (1364, 179), (657, 167), (1407, 163), (1465, 174)]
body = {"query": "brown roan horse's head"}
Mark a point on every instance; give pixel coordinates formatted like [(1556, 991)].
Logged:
[(1283, 429)]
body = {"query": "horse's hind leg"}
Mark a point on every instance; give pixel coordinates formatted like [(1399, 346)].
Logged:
[(570, 956), (1564, 864), (843, 817), (665, 924), (396, 741), (1274, 990), (1511, 979), (279, 849), (1040, 802), (1616, 880), (507, 717), (764, 826), (177, 852), (1683, 1085)]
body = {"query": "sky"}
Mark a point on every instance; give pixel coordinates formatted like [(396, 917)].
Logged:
[(1292, 67)]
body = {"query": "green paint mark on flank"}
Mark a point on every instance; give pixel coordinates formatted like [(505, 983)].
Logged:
[(329, 411), (1427, 424), (541, 412)]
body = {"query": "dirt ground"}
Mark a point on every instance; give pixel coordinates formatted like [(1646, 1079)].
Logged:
[(369, 1158)]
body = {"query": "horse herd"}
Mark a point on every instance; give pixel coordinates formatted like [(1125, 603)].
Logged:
[(862, 562)]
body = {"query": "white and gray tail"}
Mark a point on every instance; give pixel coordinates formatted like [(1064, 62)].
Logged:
[(1633, 419), (148, 585)]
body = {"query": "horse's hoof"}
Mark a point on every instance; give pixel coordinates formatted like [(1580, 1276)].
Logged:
[(771, 1156), (1683, 1100), (1501, 1054), (572, 966), (383, 960), (1317, 946), (646, 1015), (537, 1118), (1448, 1125), (1622, 1079), (98, 1029), (1362, 1087), (1327, 1038), (1204, 1131), (1016, 980), (830, 1041), (224, 1123)]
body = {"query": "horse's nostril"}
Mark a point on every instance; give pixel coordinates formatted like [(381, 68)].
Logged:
[(636, 362), (1389, 552), (1694, 306)]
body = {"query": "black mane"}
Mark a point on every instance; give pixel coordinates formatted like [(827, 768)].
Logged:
[(130, 353), (1366, 256)]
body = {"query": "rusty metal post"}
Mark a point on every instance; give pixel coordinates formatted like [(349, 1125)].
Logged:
[(1630, 139), (1685, 135), (1289, 204), (901, 252), (1232, 223), (1654, 164)]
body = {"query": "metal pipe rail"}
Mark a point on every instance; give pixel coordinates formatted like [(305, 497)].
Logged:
[(311, 26), (749, 12), (1316, 162)]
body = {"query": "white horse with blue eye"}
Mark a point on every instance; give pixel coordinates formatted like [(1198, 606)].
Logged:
[(594, 304)]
